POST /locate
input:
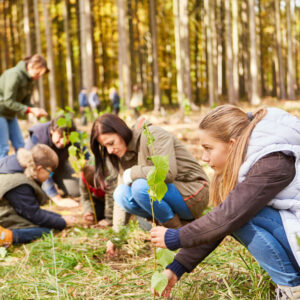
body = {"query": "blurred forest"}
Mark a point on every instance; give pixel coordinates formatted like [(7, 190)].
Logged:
[(182, 53)]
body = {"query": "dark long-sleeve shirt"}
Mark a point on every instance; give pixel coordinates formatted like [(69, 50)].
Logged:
[(25, 203), (270, 175)]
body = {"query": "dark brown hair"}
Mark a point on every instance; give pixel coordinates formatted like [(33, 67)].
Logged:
[(107, 123)]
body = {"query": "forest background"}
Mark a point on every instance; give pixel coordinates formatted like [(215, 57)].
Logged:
[(180, 52)]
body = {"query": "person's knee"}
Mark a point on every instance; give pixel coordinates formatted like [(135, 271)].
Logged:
[(4, 150), (120, 194), (139, 189)]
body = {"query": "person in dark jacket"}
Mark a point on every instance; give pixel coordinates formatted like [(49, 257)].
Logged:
[(21, 217), (16, 87), (256, 191), (115, 101), (57, 138), (83, 104)]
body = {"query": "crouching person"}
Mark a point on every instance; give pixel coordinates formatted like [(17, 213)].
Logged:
[(21, 217)]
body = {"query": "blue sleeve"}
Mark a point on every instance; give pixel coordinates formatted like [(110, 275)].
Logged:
[(172, 239), (49, 188), (23, 200), (177, 268)]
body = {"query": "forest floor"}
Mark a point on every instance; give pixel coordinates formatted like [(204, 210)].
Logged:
[(72, 264)]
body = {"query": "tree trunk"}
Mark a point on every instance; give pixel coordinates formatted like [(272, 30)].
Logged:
[(86, 44), (5, 56), (262, 69), (290, 54), (69, 56), (235, 51), (255, 100), (282, 94), (124, 59), (229, 61), (50, 58), (27, 28), (39, 50), (157, 101), (210, 69)]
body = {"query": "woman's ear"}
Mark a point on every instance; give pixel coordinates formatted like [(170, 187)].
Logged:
[(232, 141), (38, 167)]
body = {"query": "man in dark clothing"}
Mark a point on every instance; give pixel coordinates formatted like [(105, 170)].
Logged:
[(21, 196), (83, 104)]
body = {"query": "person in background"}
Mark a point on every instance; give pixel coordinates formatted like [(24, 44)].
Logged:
[(83, 104), (87, 182), (256, 193), (115, 101), (136, 100), (94, 101), (21, 217), (57, 138), (16, 88)]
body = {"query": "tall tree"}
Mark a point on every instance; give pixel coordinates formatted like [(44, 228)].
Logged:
[(255, 100), (229, 60), (86, 44), (157, 100), (290, 54), (280, 74), (39, 50), (124, 58), (27, 28), (50, 58), (210, 67), (69, 58), (235, 50)]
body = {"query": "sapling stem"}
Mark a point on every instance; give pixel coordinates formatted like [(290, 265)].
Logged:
[(92, 202)]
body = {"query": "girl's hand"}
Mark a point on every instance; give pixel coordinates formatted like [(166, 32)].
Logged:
[(38, 112), (89, 217), (172, 279), (70, 220), (157, 235)]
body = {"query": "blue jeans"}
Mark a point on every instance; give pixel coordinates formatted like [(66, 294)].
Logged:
[(265, 238), (10, 130), (26, 235), (135, 200)]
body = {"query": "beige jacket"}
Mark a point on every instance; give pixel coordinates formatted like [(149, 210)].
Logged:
[(184, 171)]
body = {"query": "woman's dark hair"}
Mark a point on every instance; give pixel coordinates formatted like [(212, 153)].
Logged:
[(107, 123), (61, 130)]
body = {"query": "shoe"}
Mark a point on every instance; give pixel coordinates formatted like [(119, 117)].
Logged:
[(6, 237), (287, 292)]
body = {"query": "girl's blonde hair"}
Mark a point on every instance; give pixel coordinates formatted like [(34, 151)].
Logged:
[(224, 123)]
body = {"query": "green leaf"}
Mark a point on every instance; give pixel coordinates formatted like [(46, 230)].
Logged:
[(160, 190), (3, 252), (72, 151), (164, 256), (159, 282), (61, 122), (74, 137), (43, 120), (68, 108)]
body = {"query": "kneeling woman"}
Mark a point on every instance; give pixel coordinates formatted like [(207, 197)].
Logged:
[(119, 149)]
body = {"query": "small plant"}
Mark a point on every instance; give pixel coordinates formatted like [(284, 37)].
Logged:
[(186, 105), (157, 190)]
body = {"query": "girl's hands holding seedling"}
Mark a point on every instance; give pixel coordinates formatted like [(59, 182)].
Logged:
[(157, 235)]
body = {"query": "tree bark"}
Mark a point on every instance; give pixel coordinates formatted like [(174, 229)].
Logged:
[(50, 58), (235, 51), (39, 50), (290, 54), (27, 28), (157, 100), (282, 94), (255, 100)]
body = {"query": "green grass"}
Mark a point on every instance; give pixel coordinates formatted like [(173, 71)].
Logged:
[(85, 272)]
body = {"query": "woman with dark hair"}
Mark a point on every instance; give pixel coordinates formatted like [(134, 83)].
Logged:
[(121, 150), (16, 87)]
